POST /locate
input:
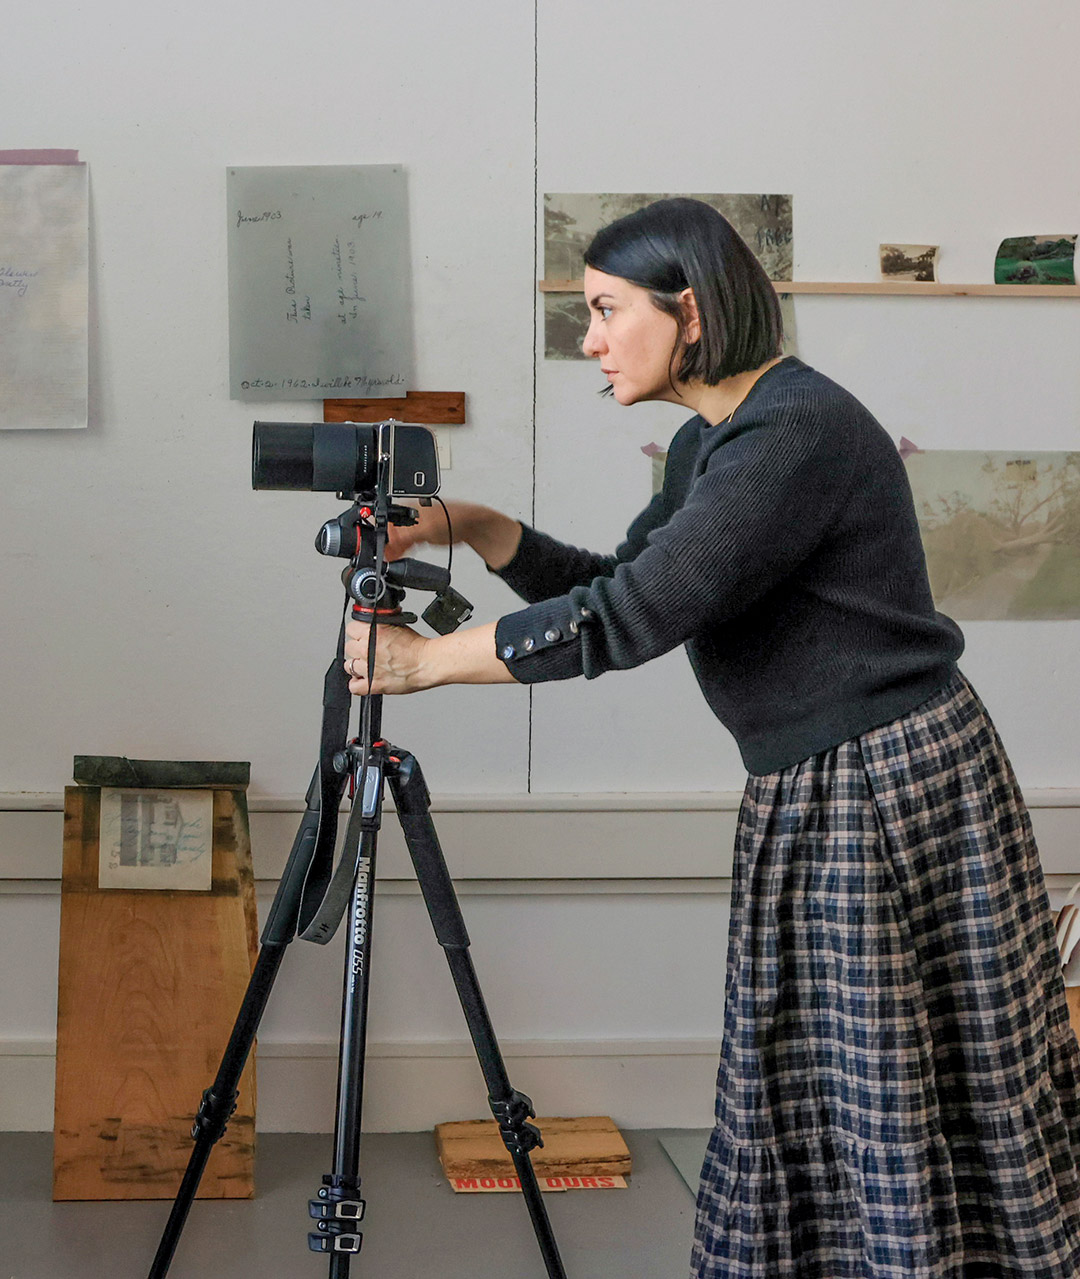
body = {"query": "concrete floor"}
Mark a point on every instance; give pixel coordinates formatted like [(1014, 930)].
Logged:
[(416, 1227)]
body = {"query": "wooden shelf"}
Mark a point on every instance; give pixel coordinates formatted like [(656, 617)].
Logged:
[(896, 288)]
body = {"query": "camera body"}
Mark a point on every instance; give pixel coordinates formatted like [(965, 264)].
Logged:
[(378, 462), (344, 457)]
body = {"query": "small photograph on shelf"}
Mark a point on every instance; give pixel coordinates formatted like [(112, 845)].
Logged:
[(909, 262), (1036, 259)]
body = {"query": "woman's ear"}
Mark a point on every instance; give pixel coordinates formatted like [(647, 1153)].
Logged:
[(691, 320)]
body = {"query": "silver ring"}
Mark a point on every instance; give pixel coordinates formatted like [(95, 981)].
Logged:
[(352, 668)]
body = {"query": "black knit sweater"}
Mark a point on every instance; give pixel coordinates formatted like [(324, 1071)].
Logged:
[(783, 552)]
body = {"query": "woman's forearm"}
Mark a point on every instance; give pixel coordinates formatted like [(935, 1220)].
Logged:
[(492, 535), (463, 657)]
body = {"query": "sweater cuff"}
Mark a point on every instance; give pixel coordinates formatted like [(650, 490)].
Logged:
[(543, 642), (515, 573)]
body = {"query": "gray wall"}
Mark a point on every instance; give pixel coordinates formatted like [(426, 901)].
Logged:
[(154, 606)]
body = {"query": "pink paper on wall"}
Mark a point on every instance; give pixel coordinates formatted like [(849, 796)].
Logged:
[(39, 157)]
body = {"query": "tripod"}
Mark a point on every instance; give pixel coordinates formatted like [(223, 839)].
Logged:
[(311, 900)]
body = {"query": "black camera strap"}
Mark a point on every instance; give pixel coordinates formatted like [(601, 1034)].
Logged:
[(326, 896), (337, 704), (336, 893)]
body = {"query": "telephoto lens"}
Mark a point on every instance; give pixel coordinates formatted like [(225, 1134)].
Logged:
[(343, 457)]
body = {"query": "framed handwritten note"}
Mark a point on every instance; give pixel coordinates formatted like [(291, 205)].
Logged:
[(156, 839), (319, 282), (44, 288)]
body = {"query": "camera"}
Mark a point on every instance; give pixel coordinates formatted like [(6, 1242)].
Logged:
[(344, 457)]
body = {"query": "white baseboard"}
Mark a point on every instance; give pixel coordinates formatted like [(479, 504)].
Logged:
[(412, 1087)]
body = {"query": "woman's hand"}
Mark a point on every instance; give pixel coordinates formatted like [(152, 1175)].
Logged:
[(429, 530), (406, 662), (399, 659)]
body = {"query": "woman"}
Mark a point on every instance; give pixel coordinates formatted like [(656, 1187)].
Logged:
[(898, 1091)]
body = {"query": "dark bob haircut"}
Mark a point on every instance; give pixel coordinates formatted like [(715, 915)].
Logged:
[(672, 245)]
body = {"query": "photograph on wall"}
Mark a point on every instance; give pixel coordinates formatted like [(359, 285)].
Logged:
[(44, 296), (156, 839), (320, 292), (571, 221), (657, 465), (1036, 259), (1001, 532), (909, 262)]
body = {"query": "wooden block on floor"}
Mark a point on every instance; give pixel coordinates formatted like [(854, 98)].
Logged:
[(150, 985), (586, 1147)]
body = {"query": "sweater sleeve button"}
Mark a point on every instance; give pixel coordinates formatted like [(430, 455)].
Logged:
[(507, 652), (552, 635), (529, 644)]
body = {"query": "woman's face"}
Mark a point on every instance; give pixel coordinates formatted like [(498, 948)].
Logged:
[(632, 340)]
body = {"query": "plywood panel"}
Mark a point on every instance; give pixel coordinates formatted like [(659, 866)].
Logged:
[(431, 408), (150, 983)]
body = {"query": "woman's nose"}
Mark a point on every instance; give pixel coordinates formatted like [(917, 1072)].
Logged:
[(592, 344)]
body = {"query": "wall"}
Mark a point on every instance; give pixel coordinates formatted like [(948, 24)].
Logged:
[(154, 606), (916, 121)]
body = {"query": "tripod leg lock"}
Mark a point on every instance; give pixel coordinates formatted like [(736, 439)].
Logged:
[(213, 1115), (338, 1211), (511, 1114)]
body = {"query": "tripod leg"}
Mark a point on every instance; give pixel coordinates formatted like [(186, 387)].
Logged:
[(219, 1100), (339, 1208), (510, 1108)]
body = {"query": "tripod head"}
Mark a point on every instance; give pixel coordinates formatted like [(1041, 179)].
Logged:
[(378, 595)]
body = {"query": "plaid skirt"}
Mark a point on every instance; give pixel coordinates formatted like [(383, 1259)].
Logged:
[(899, 1086)]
